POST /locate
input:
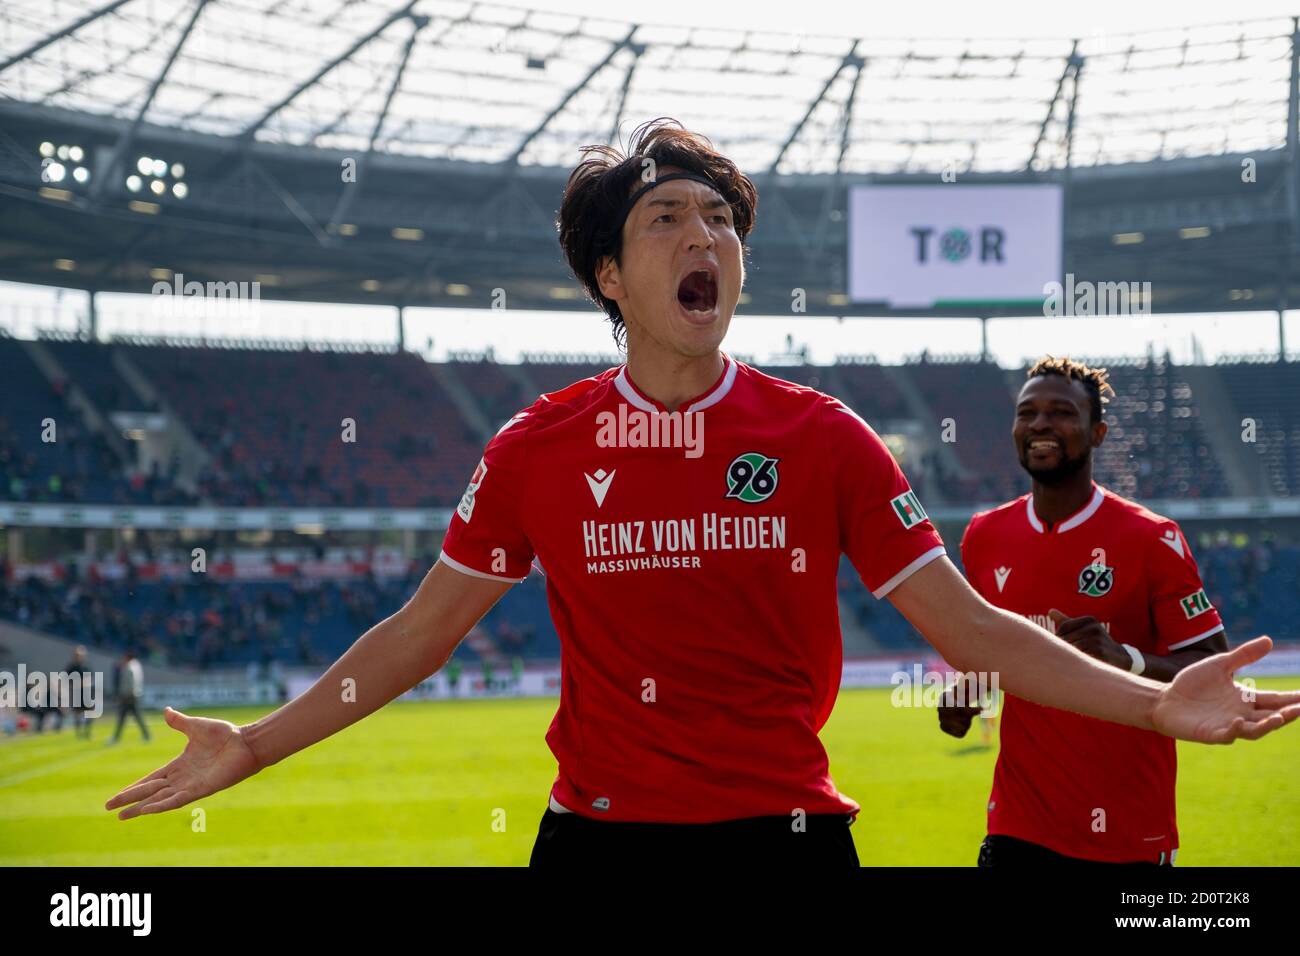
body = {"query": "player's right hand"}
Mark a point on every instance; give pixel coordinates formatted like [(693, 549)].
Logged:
[(215, 757), (955, 720)]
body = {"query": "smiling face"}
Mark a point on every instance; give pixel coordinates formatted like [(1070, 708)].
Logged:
[(682, 269), (1054, 432)]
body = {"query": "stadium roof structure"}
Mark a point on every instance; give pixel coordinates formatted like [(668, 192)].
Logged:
[(214, 138)]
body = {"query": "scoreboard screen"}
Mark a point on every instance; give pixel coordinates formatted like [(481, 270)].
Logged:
[(950, 245)]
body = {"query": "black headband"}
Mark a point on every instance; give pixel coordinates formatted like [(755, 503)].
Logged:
[(631, 200)]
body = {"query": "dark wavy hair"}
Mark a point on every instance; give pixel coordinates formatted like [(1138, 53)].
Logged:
[(600, 185), (1092, 379)]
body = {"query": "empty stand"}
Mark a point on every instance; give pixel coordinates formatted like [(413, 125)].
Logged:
[(274, 423)]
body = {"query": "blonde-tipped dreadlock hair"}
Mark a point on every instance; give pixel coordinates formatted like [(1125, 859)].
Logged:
[(1093, 379)]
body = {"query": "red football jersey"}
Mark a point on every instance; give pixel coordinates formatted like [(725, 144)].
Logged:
[(1080, 786), (690, 570)]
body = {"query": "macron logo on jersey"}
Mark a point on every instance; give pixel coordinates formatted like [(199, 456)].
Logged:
[(599, 484), (1001, 574), (1171, 538)]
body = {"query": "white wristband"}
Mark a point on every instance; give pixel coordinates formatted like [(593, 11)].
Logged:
[(1139, 662)]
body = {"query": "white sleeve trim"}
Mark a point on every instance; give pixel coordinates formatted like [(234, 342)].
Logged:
[(463, 569), (1199, 637), (937, 551)]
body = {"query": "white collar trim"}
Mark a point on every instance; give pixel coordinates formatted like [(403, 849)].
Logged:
[(719, 393), (1033, 518), (1089, 510), (630, 394), (634, 398)]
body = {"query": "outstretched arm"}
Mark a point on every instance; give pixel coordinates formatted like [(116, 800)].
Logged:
[(1202, 704), (388, 660)]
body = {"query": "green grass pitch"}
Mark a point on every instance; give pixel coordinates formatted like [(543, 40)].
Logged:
[(422, 783)]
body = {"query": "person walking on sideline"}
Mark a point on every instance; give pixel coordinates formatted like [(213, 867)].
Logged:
[(130, 687)]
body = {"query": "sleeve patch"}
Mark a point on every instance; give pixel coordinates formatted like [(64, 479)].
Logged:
[(1195, 604), (466, 507), (908, 509)]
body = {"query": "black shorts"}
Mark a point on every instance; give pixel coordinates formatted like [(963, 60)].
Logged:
[(570, 840), (1008, 851)]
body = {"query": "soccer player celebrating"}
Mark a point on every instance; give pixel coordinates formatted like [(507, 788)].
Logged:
[(689, 514), (1115, 581)]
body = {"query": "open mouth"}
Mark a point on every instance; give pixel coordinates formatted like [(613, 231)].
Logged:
[(698, 292), (1042, 446)]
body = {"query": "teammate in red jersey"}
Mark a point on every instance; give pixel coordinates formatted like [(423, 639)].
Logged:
[(1119, 583), (691, 565)]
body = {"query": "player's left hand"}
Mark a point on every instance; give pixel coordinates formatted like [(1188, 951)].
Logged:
[(1205, 704), (1090, 636)]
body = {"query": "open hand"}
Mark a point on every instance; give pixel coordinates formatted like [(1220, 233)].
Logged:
[(1204, 703), (215, 757)]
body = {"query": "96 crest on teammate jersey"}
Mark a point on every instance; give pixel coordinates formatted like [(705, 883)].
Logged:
[(1096, 580)]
